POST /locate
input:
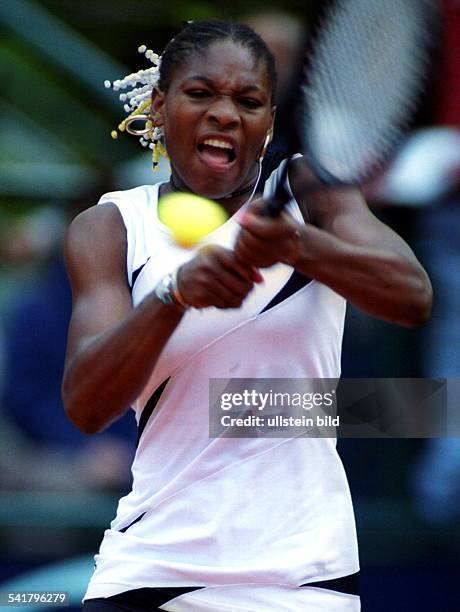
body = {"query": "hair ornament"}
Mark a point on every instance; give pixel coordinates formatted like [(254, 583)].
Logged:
[(136, 91)]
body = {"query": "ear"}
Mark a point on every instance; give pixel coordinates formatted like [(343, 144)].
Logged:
[(268, 135), (157, 107), (271, 128)]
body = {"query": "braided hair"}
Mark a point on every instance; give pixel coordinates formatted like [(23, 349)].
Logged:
[(196, 37)]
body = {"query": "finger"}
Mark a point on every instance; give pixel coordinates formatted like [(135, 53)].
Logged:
[(263, 253), (249, 246), (235, 284), (258, 206), (261, 260), (268, 228), (257, 275), (208, 291), (222, 296), (236, 266), (218, 278)]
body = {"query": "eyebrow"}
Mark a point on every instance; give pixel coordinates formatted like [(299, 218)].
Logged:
[(210, 82)]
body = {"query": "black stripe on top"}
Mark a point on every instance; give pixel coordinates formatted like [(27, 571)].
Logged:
[(149, 408), (136, 274), (345, 584), (295, 283), (132, 523), (270, 163), (146, 599)]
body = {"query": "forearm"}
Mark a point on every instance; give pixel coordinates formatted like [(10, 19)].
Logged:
[(381, 282), (107, 372)]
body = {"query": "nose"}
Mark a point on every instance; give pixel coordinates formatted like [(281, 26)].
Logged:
[(224, 112)]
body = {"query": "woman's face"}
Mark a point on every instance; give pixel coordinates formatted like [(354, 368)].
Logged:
[(216, 115)]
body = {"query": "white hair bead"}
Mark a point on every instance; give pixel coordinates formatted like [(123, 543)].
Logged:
[(136, 100)]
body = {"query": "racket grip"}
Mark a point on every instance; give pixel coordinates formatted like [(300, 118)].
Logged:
[(278, 201), (276, 204)]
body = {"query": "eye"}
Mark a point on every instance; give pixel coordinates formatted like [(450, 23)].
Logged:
[(198, 93), (250, 103)]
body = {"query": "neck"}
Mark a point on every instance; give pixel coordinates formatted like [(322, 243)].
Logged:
[(234, 194)]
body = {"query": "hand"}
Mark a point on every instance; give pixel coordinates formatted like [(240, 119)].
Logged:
[(214, 277), (264, 241)]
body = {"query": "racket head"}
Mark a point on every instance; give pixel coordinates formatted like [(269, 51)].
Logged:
[(365, 70)]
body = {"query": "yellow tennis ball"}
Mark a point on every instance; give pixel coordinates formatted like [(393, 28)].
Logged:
[(190, 217)]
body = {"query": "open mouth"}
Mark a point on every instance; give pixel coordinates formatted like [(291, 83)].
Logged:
[(217, 152)]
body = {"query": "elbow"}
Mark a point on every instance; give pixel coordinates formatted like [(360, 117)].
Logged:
[(78, 416), (85, 425), (425, 308), (420, 305)]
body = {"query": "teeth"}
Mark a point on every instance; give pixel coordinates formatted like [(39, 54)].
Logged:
[(221, 144)]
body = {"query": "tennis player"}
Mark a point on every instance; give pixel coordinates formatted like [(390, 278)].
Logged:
[(223, 524)]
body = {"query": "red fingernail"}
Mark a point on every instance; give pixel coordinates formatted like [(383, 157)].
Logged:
[(258, 278), (242, 218)]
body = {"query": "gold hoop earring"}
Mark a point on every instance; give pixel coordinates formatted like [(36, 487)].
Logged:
[(138, 132)]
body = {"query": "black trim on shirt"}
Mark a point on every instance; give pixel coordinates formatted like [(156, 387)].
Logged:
[(136, 274), (345, 584), (295, 283), (132, 523), (149, 408), (144, 600), (270, 163), (137, 600)]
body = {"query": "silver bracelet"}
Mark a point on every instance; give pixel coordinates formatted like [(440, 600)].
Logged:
[(167, 292), (175, 291)]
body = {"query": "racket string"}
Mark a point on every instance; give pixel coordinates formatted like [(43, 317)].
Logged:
[(364, 77)]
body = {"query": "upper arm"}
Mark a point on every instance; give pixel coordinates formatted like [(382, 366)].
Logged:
[(95, 253), (343, 212)]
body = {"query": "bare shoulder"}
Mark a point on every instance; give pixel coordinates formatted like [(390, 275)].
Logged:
[(95, 254), (96, 243)]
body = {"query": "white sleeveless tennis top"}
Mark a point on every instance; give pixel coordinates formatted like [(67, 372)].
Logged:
[(223, 511)]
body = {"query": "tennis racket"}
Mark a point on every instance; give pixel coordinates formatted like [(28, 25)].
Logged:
[(365, 68)]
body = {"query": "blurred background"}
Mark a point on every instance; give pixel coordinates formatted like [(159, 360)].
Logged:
[(59, 488)]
